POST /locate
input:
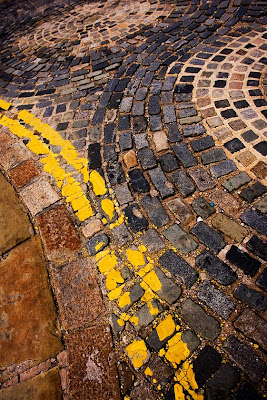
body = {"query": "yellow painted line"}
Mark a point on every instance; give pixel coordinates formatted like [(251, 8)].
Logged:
[(107, 261), (68, 152), (4, 105), (70, 188)]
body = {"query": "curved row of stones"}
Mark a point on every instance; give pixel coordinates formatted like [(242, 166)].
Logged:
[(183, 155)]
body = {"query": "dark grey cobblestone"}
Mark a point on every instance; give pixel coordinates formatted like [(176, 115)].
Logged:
[(205, 325), (250, 297), (245, 358), (179, 267), (216, 268), (155, 211), (208, 236), (215, 299)]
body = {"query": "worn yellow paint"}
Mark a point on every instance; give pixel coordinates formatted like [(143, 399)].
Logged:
[(125, 317), (177, 350), (153, 281), (119, 221), (98, 246), (35, 145), (159, 387), (102, 254), (135, 257), (99, 186), (142, 248), (162, 352), (115, 293), (113, 278), (124, 300), (148, 295), (148, 371), (143, 271), (137, 351), (120, 322), (107, 263), (154, 380), (165, 328), (68, 152), (178, 392), (108, 208), (152, 309), (186, 377), (4, 105), (70, 188), (134, 320)]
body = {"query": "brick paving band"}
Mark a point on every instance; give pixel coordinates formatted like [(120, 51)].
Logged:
[(133, 155)]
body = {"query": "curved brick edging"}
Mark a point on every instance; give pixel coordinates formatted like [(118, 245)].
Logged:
[(72, 279)]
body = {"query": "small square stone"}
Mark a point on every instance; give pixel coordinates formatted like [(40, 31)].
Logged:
[(123, 194), (234, 145), (152, 240), (121, 235), (39, 195)]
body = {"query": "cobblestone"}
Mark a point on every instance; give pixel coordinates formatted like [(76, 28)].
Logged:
[(134, 136), (206, 326)]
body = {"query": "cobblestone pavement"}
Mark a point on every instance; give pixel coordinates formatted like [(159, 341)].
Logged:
[(133, 199)]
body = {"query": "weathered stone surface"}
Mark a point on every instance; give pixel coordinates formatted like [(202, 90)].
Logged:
[(152, 240), (237, 181), (15, 226), (97, 243), (202, 207), (168, 290), (225, 201), (245, 358), (181, 211), (253, 326), (155, 211), (216, 268), (160, 372), (194, 315), (243, 260), (255, 220), (179, 267), (144, 316), (180, 239), (24, 173), (251, 297), (202, 179), (215, 299), (208, 236), (121, 235), (229, 227), (58, 233), (39, 195), (78, 295), (142, 391), (29, 320), (93, 372), (45, 386)]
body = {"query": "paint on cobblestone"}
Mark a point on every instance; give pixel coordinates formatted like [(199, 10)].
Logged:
[(138, 353)]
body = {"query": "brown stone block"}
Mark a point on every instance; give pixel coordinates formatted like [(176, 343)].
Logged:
[(5, 140), (260, 170), (78, 295), (14, 222), (13, 156), (253, 326), (45, 386), (58, 233), (225, 201), (28, 317), (24, 173), (93, 373)]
